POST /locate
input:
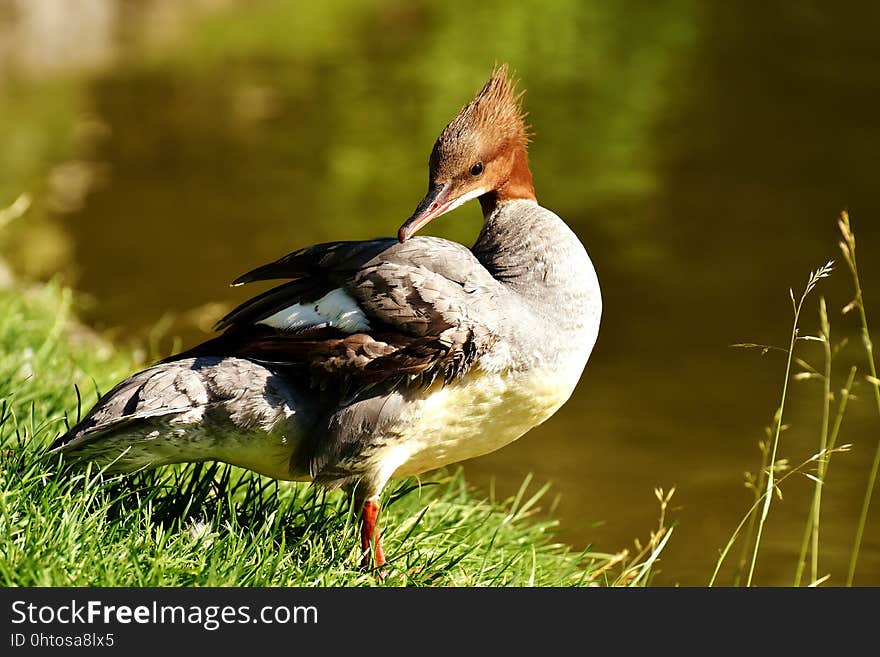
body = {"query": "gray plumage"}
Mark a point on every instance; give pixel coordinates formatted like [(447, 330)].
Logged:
[(328, 404)]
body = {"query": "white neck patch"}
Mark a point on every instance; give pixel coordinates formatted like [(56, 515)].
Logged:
[(461, 200)]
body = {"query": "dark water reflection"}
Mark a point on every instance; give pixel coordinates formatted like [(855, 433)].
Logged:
[(702, 153)]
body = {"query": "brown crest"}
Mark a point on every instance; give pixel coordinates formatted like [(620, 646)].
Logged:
[(490, 133)]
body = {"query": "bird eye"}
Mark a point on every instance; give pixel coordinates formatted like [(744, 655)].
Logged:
[(477, 169)]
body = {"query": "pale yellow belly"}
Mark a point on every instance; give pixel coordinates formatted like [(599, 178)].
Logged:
[(452, 423), (478, 415)]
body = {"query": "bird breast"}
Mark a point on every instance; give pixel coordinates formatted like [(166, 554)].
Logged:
[(482, 413)]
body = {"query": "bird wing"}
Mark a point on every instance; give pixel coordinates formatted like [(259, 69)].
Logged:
[(366, 312)]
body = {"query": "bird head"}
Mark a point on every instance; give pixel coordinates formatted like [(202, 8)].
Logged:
[(480, 154)]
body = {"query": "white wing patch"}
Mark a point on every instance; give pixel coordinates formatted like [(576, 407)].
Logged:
[(335, 309)]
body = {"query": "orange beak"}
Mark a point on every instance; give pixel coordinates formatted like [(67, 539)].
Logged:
[(435, 203)]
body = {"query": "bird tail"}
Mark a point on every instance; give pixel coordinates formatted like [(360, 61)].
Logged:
[(119, 432)]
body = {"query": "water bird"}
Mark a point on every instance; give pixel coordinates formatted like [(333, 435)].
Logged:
[(380, 358)]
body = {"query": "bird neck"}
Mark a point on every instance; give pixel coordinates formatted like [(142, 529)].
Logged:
[(527, 247), (555, 300)]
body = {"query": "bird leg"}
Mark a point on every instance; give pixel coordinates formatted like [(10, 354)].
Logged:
[(371, 533)]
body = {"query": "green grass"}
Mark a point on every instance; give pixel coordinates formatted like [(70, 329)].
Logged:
[(213, 525), (773, 471)]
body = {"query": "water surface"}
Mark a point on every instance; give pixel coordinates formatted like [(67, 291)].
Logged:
[(701, 152)]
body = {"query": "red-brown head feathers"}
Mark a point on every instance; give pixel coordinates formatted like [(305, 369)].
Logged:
[(482, 153), (493, 121)]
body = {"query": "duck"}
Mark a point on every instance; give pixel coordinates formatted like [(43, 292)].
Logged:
[(381, 358)]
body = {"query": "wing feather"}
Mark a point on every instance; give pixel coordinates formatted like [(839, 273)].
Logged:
[(422, 318)]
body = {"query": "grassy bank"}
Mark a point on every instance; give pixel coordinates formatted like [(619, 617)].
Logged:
[(219, 526)]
